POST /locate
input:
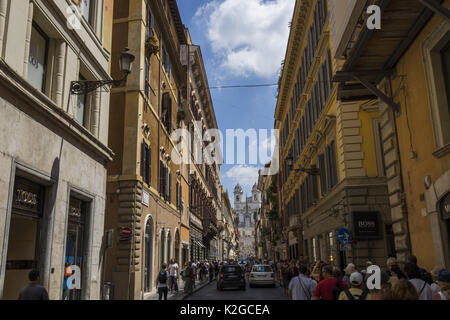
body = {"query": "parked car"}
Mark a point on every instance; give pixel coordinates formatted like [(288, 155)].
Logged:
[(262, 274), (231, 276)]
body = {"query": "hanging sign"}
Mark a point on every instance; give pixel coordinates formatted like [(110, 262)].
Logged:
[(125, 234)]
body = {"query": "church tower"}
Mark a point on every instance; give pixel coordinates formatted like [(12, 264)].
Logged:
[(238, 194)]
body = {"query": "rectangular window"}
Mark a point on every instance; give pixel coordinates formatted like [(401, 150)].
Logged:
[(323, 175), (445, 57), (146, 163), (166, 61), (149, 21), (86, 8), (37, 60), (147, 77), (80, 115)]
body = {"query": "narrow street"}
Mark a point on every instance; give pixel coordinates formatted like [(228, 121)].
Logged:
[(210, 292)]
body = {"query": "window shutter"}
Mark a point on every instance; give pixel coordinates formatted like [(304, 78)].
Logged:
[(162, 183), (323, 175), (315, 186), (143, 160), (149, 165), (334, 163)]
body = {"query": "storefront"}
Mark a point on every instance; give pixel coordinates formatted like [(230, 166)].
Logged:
[(25, 236)]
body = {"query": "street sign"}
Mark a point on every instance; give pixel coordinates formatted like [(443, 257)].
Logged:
[(125, 234), (344, 236), (345, 246)]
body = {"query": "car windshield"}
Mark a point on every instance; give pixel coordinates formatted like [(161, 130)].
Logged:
[(262, 269), (234, 269)]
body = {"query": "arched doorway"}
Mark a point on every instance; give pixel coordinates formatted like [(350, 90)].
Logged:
[(169, 247), (148, 255), (177, 247), (162, 247)]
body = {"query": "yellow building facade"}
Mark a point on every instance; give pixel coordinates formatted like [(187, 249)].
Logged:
[(331, 175), (408, 79)]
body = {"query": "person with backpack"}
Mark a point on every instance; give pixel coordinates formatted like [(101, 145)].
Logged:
[(424, 274), (356, 292), (301, 287), (162, 282), (415, 277), (329, 288)]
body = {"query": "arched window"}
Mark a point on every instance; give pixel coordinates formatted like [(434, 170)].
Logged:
[(169, 248), (162, 247), (177, 247), (148, 255)]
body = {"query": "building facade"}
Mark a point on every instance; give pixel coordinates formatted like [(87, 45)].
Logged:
[(205, 204), (53, 145), (246, 209), (332, 174), (146, 187), (407, 79)]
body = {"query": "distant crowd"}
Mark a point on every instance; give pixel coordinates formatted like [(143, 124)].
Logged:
[(398, 281)]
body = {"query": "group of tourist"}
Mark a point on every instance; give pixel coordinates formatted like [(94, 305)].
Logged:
[(397, 281)]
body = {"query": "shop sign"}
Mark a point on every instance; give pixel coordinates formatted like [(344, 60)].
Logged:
[(366, 225), (145, 198), (445, 206), (27, 196)]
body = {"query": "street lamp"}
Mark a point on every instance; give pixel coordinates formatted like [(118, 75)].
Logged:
[(82, 87), (310, 171)]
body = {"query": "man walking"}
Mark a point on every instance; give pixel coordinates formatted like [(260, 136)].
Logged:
[(34, 291), (189, 278), (173, 271), (301, 287), (162, 282)]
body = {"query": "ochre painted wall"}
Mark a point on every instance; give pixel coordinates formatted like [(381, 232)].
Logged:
[(415, 132)]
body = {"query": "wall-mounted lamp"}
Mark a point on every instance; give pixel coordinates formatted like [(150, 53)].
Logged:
[(81, 87)]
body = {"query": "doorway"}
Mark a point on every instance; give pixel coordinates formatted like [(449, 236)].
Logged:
[(74, 262), (148, 255), (24, 236)]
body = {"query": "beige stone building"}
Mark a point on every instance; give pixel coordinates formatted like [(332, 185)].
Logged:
[(53, 145)]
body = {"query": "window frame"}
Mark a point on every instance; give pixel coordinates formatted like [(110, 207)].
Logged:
[(35, 25), (435, 80)]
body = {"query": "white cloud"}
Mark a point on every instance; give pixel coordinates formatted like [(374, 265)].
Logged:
[(245, 175), (249, 36)]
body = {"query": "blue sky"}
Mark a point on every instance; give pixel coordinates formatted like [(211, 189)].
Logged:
[(242, 42)]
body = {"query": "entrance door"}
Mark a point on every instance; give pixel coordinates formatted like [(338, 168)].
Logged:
[(75, 248), (148, 256), (24, 235)]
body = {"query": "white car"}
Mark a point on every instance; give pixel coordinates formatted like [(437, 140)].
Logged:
[(262, 274)]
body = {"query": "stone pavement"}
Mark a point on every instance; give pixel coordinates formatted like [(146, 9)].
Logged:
[(180, 295)]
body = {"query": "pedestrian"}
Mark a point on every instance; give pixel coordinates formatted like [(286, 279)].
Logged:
[(188, 278), (285, 276), (404, 290), (34, 290), (414, 275), (348, 271), (443, 280), (293, 270), (396, 274), (173, 272), (390, 262), (330, 287), (385, 290), (424, 274), (211, 273), (435, 273), (357, 290), (301, 287), (162, 282)]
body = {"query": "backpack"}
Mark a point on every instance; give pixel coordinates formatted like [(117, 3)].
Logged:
[(361, 297), (162, 277), (337, 289), (426, 276)]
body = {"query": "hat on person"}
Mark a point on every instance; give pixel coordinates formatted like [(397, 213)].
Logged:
[(444, 276), (356, 278), (350, 268)]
